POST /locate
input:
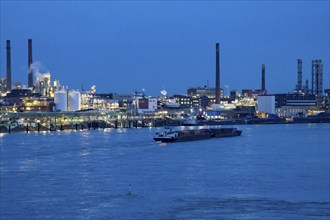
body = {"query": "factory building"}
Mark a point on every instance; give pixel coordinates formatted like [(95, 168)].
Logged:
[(235, 94), (19, 100), (30, 104), (3, 86), (295, 100), (247, 93), (102, 103), (146, 104), (266, 104), (43, 85), (106, 101), (17, 95), (292, 105), (124, 100), (170, 103), (327, 100), (203, 91), (183, 100)]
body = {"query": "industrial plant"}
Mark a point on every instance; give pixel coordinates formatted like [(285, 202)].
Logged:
[(47, 105)]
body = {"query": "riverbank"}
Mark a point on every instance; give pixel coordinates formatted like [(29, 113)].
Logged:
[(99, 124)]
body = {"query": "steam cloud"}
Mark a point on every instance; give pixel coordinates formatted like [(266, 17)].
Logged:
[(38, 70)]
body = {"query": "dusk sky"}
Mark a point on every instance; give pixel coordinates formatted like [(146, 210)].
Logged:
[(126, 46)]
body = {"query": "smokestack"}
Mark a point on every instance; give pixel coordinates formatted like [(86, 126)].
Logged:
[(30, 73), (299, 84), (8, 66), (217, 74), (263, 79)]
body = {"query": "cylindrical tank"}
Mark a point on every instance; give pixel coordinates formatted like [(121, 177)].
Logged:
[(61, 101), (74, 101)]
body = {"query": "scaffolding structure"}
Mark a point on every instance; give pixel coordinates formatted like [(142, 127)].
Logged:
[(317, 77)]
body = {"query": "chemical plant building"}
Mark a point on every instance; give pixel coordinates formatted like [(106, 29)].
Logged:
[(43, 95), (303, 101)]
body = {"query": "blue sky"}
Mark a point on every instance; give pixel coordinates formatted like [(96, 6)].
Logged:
[(126, 46)]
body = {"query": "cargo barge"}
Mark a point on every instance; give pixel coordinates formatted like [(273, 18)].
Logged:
[(197, 134)]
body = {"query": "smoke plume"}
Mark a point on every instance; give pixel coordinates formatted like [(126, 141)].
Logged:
[(39, 70)]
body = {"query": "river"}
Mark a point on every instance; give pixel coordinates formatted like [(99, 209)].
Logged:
[(269, 172)]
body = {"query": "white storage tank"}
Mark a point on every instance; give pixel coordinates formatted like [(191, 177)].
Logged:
[(74, 101), (61, 101)]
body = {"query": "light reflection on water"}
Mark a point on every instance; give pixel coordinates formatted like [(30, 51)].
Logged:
[(271, 171)]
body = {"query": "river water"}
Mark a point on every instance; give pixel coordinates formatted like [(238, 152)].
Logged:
[(269, 172)]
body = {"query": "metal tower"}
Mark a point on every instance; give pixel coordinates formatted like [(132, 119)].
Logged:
[(317, 77)]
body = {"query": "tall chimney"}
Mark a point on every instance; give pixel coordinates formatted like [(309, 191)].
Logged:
[(30, 73), (313, 77), (217, 74), (299, 82), (263, 80), (8, 66)]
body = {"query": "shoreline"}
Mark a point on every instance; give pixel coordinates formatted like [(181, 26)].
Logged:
[(116, 124)]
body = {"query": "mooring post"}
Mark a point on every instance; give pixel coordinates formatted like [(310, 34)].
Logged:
[(9, 129)]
